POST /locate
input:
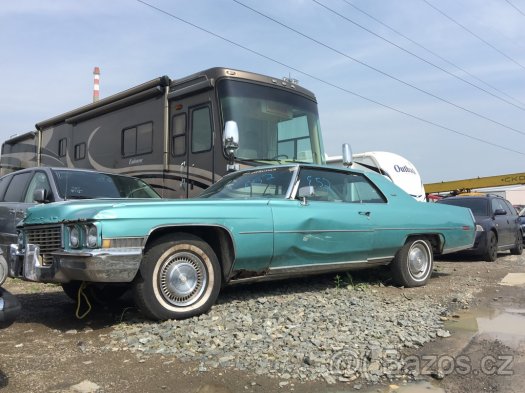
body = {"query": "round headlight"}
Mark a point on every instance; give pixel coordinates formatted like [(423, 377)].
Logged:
[(74, 237), (91, 236)]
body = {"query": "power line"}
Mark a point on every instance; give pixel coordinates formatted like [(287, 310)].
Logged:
[(327, 82), (516, 8), (413, 54), (439, 56), (475, 35), (378, 70)]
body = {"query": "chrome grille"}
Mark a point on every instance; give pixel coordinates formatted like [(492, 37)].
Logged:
[(48, 238)]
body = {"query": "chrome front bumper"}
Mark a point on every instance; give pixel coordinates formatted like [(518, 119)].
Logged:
[(99, 265)]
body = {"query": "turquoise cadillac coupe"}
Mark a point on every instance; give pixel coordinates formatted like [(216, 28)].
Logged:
[(260, 224)]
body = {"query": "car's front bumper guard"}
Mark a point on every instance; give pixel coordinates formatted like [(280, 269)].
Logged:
[(99, 265)]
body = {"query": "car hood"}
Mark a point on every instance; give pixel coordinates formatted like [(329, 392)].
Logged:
[(107, 209)]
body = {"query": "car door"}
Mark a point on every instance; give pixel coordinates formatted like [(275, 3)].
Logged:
[(330, 228), (502, 222), (514, 221)]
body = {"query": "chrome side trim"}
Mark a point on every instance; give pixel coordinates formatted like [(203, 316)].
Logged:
[(322, 267), (308, 231)]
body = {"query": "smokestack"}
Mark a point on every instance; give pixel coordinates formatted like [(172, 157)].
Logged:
[(96, 82)]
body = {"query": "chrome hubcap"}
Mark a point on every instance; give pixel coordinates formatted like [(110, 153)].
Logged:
[(418, 261), (183, 279)]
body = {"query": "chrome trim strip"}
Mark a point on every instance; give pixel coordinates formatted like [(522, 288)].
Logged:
[(429, 231), (306, 231), (315, 265)]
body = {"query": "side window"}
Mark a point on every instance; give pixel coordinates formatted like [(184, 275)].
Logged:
[(201, 130), (4, 181), (339, 187), (137, 140), (178, 135), (510, 209), (80, 151), (62, 147), (15, 190), (498, 204), (39, 181)]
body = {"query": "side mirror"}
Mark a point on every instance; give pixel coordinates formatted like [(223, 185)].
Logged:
[(230, 141), (347, 155), (306, 191), (40, 195), (230, 137), (500, 212)]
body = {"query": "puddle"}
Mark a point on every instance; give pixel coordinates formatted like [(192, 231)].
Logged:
[(506, 325), (416, 387), (513, 279)]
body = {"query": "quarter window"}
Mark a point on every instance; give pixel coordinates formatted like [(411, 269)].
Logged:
[(39, 181), (137, 140)]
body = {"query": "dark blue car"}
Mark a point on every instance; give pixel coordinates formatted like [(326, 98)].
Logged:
[(497, 224)]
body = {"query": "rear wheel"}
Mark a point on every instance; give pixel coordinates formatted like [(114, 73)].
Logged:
[(518, 249), (412, 265), (180, 277), (491, 253)]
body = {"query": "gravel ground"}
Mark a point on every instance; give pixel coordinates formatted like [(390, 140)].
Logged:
[(323, 333), (304, 330)]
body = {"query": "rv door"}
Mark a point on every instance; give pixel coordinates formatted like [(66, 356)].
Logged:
[(191, 146)]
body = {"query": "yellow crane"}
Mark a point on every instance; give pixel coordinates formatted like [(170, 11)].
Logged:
[(467, 185)]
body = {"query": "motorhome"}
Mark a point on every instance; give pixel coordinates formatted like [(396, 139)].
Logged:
[(393, 166), (170, 132)]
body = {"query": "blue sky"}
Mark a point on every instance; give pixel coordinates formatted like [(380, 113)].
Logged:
[(49, 50)]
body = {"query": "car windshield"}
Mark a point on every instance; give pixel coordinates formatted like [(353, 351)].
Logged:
[(479, 206), (88, 185), (264, 183)]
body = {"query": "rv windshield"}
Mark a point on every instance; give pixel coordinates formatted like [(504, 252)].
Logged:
[(274, 124)]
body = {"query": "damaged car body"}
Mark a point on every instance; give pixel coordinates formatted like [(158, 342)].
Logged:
[(258, 224)]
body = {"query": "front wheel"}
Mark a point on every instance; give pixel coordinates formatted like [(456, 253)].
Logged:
[(412, 265), (180, 277), (518, 248)]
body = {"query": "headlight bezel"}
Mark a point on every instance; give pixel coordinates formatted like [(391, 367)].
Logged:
[(91, 239), (74, 236), (83, 235)]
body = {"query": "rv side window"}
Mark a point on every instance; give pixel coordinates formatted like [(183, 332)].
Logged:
[(80, 151), (137, 140), (62, 147), (178, 135), (201, 132)]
